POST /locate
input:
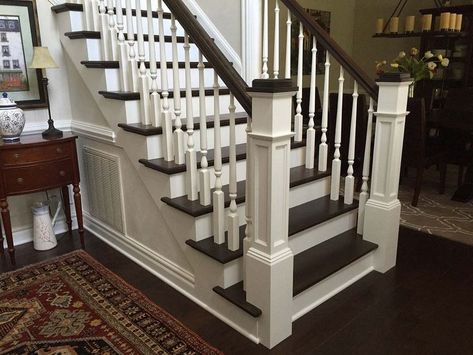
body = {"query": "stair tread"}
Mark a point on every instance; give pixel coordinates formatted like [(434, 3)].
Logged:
[(237, 295), (310, 267), (298, 176), (301, 217), (97, 35), (325, 259), (80, 8), (150, 130), (130, 95), (170, 167), (115, 64)]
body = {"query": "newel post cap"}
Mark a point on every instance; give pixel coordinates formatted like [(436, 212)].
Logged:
[(394, 77), (272, 86)]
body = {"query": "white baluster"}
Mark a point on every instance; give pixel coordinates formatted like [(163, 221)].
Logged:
[(265, 74), (364, 194), (88, 16), (204, 173), (179, 148), (232, 218), (218, 195), (350, 179), (95, 15), (337, 163), (288, 45), (166, 121), (276, 41), (104, 31), (192, 185), (113, 30), (143, 78), (298, 119), (323, 148), (155, 98), (310, 147), (134, 75), (122, 50), (248, 211)]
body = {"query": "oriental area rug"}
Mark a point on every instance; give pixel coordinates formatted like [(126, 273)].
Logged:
[(74, 305)]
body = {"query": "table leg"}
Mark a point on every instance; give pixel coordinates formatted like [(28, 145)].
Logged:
[(465, 192), (67, 207), (8, 232), (78, 203)]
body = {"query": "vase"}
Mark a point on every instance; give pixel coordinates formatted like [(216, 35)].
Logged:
[(412, 90), (12, 119)]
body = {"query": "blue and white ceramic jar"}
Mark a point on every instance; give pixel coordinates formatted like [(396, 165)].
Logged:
[(12, 119)]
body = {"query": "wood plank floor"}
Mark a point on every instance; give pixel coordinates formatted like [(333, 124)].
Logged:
[(423, 306)]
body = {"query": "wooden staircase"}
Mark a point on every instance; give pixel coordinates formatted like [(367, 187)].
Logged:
[(323, 233)]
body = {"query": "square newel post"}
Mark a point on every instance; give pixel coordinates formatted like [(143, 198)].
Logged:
[(269, 261), (383, 209)]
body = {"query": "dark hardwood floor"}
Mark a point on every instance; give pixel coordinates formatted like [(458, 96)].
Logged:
[(423, 306)]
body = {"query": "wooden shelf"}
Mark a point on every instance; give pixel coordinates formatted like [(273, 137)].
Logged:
[(462, 9), (440, 34)]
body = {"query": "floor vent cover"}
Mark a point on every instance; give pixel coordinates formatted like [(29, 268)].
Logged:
[(104, 192)]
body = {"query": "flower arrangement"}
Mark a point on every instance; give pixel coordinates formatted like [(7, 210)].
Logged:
[(423, 68)]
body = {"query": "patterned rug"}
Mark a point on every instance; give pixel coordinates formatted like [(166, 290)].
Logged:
[(74, 305), (437, 214)]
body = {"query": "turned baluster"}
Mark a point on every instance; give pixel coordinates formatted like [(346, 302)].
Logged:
[(265, 74), (155, 98), (323, 147), (130, 36), (112, 30), (337, 163), (298, 119), (179, 151), (192, 186), (204, 173), (232, 218), (288, 45), (122, 50), (276, 41), (310, 147), (350, 179), (104, 31), (143, 77)]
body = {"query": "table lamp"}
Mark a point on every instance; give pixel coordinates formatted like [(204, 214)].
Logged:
[(43, 60)]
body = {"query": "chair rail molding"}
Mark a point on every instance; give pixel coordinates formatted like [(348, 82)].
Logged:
[(92, 131)]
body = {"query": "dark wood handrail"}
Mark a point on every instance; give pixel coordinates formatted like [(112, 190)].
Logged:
[(211, 52), (337, 52)]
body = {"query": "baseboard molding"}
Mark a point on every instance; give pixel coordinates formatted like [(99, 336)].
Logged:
[(92, 131), (24, 235), (220, 40)]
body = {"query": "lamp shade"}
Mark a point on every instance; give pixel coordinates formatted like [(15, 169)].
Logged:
[(42, 59)]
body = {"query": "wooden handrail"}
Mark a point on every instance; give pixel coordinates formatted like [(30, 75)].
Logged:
[(337, 52), (211, 52)]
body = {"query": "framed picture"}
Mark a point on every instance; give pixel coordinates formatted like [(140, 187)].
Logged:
[(323, 19), (19, 33)]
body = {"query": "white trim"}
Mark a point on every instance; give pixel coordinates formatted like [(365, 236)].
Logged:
[(92, 131), (156, 265), (251, 39), (213, 32)]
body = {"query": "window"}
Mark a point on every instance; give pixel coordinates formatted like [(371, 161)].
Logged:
[(6, 64), (3, 37), (16, 64), (5, 51)]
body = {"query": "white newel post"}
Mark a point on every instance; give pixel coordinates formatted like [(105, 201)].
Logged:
[(269, 261), (383, 209)]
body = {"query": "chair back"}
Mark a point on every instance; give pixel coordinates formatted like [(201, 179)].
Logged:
[(415, 132)]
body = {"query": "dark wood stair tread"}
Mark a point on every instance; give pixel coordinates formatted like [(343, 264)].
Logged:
[(114, 64), (308, 215), (310, 267), (150, 130), (325, 259), (170, 167), (237, 295), (79, 7), (299, 176), (97, 35), (130, 95)]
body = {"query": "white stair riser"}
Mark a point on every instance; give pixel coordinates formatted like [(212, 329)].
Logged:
[(310, 191), (203, 224), (322, 232), (155, 143), (113, 78), (177, 181), (329, 287)]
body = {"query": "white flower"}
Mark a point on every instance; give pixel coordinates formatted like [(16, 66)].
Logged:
[(394, 65), (445, 62), (428, 55), (402, 54), (431, 65), (440, 57), (414, 51)]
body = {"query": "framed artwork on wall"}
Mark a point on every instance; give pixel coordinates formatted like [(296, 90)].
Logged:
[(323, 19), (19, 33)]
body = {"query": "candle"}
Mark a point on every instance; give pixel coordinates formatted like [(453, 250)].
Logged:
[(453, 22), (379, 25), (394, 25), (426, 22), (444, 21), (410, 23), (458, 25)]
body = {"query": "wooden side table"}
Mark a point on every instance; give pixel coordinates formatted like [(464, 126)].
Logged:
[(37, 164)]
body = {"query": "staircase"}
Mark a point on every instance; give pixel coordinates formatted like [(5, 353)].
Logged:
[(190, 125)]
